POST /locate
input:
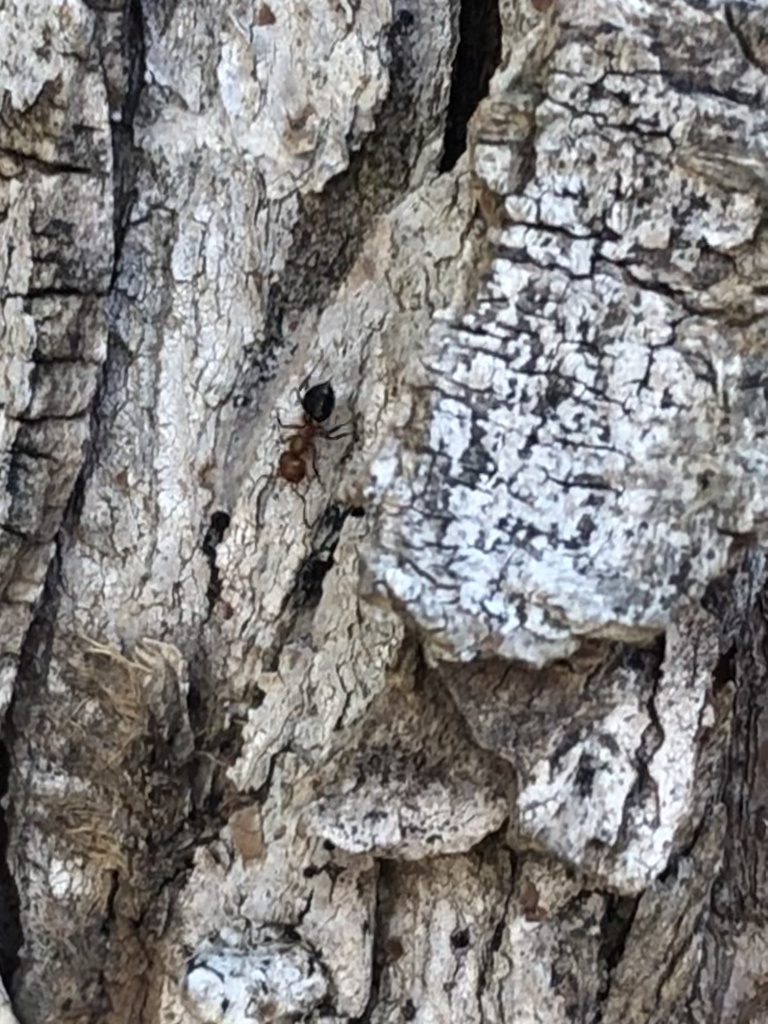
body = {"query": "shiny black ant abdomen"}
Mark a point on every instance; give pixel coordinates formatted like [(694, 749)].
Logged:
[(319, 402)]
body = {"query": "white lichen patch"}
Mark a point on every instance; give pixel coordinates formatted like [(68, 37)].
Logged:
[(272, 981), (587, 442), (267, 869)]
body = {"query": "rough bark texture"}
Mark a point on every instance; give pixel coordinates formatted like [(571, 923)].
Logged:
[(470, 724)]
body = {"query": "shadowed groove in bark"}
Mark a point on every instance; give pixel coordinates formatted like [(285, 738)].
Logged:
[(615, 927), (213, 537), (11, 936), (123, 150), (334, 224), (308, 586), (384, 884), (749, 28), (34, 662), (309, 580), (739, 892), (477, 57), (31, 680)]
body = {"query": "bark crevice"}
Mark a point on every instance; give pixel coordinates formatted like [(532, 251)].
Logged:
[(11, 934), (477, 57), (125, 154)]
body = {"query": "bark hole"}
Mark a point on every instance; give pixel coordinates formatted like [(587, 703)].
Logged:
[(386, 947), (213, 537), (725, 670), (614, 930), (308, 586), (477, 57), (309, 582)]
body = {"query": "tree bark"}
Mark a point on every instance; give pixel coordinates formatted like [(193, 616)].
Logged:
[(467, 723)]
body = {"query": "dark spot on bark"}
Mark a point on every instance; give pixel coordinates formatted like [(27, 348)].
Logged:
[(311, 576), (704, 480), (404, 18), (529, 900), (460, 939), (213, 537), (615, 927), (585, 776), (393, 950), (475, 465), (409, 1010), (586, 528), (265, 16), (725, 670), (530, 443), (679, 579), (594, 501), (570, 738), (375, 815)]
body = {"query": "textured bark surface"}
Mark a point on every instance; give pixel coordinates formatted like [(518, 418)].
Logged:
[(469, 724)]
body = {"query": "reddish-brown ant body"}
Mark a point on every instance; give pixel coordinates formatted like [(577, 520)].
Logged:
[(318, 403)]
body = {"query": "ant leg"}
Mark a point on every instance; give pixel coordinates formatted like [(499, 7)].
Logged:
[(305, 383), (314, 464), (261, 501), (315, 472), (303, 498), (311, 451), (332, 433), (288, 426)]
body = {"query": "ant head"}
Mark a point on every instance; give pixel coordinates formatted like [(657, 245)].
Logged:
[(319, 402)]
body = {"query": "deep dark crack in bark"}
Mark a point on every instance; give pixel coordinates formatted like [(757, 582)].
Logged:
[(477, 57), (34, 661), (615, 926), (214, 535), (124, 151), (11, 935)]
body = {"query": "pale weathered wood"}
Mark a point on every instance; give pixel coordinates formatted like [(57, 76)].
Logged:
[(468, 725)]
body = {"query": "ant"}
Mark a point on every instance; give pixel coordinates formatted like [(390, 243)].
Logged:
[(318, 403)]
